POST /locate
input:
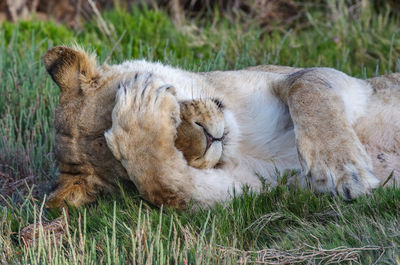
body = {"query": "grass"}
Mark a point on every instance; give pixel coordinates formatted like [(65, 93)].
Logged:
[(281, 226)]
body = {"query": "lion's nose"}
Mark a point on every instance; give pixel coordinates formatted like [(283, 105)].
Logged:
[(209, 137)]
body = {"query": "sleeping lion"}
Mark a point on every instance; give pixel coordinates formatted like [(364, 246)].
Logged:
[(181, 136)]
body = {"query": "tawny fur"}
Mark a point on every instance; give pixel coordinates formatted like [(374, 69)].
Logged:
[(341, 132), (86, 165)]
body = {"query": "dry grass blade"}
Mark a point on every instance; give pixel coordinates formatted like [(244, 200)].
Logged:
[(103, 26), (264, 220), (388, 179), (114, 47), (300, 255)]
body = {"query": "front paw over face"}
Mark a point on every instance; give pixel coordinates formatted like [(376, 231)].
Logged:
[(145, 116), (343, 169)]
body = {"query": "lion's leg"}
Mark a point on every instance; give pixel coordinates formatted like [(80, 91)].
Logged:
[(331, 155), (142, 137)]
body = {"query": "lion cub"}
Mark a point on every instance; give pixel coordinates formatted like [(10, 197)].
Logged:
[(86, 164), (182, 136)]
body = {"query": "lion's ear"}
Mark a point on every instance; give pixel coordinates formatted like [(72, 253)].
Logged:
[(69, 67)]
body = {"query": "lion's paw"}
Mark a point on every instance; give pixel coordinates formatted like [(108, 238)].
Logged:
[(355, 183), (146, 115), (345, 171), (146, 99)]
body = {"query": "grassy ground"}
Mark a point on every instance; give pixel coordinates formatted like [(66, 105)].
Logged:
[(281, 226)]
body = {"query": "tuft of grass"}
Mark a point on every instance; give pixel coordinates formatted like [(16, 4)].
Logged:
[(279, 226), (282, 226)]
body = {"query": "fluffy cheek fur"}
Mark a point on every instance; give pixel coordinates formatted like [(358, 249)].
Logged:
[(75, 190)]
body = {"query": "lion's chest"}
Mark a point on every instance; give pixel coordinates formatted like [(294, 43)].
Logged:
[(267, 139)]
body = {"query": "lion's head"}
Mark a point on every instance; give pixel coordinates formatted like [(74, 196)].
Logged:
[(87, 95)]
